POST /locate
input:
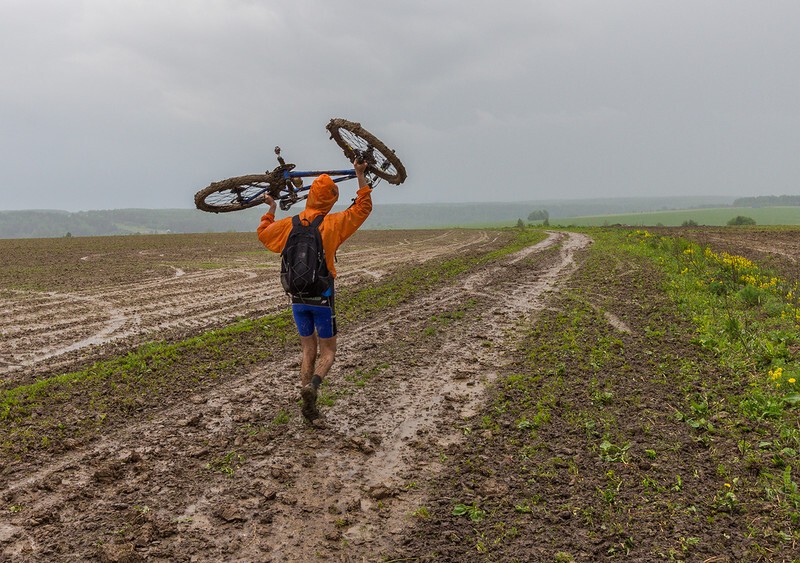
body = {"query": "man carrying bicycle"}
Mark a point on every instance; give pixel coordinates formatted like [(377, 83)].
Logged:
[(315, 315)]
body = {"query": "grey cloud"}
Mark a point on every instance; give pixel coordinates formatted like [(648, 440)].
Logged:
[(131, 104)]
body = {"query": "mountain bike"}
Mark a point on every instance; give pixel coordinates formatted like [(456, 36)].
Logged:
[(285, 184)]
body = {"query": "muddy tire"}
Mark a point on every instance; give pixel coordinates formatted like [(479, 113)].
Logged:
[(233, 194), (354, 140)]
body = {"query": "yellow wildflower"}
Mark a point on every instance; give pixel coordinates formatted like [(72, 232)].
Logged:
[(776, 373)]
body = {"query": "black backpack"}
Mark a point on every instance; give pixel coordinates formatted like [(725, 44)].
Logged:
[(304, 272)]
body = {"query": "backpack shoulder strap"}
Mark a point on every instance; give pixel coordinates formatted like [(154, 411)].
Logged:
[(315, 225), (295, 220)]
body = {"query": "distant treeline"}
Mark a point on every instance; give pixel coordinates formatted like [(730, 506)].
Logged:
[(44, 223), (30, 224), (768, 201)]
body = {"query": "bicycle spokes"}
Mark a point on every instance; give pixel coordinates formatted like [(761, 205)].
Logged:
[(361, 148), (355, 141)]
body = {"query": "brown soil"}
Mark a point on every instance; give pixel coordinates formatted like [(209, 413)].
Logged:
[(160, 489), (233, 473), (110, 294), (775, 247)]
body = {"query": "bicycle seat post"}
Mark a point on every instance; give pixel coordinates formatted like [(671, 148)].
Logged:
[(280, 158)]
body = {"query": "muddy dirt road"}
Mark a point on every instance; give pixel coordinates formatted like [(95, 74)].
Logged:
[(233, 473)]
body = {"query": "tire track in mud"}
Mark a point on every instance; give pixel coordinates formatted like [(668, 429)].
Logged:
[(376, 264), (51, 328), (344, 492), (416, 411), (70, 325)]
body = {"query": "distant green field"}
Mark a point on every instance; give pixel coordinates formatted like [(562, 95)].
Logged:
[(711, 217)]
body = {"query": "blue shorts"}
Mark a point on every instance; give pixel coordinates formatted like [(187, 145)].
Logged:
[(310, 317)]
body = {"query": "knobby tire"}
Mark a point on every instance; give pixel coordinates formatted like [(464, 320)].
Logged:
[(354, 140)]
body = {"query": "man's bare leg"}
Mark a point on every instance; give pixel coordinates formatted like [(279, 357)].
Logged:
[(327, 348), (308, 344), (327, 355)]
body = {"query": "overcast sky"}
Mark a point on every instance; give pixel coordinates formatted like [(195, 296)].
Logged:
[(140, 103)]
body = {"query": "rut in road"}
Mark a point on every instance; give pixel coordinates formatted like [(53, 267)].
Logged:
[(226, 476)]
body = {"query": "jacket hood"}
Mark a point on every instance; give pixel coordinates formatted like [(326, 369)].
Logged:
[(322, 195)]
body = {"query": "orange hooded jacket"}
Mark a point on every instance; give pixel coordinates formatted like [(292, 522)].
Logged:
[(335, 227)]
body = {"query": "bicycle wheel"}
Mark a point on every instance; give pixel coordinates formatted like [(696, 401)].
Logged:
[(233, 194), (357, 141)]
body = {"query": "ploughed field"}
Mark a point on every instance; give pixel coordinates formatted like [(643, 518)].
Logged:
[(68, 300), (498, 395)]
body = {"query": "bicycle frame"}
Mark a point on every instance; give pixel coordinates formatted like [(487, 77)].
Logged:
[(287, 174), (292, 196), (348, 174)]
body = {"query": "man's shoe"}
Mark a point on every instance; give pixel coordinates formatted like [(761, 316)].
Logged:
[(309, 396)]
